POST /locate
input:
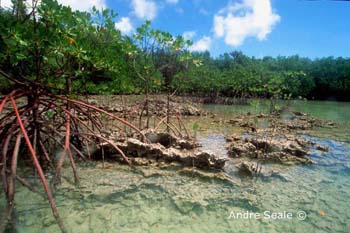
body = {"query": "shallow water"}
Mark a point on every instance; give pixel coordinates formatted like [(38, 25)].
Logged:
[(338, 112), (150, 199)]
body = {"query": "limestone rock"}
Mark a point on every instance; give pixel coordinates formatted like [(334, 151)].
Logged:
[(141, 153), (254, 169), (279, 149), (169, 140)]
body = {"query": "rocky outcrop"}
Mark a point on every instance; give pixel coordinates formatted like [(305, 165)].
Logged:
[(159, 153), (284, 149), (207, 175), (286, 122), (272, 137), (247, 168), (140, 153), (169, 140)]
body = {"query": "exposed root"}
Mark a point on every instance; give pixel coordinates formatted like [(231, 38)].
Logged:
[(46, 123)]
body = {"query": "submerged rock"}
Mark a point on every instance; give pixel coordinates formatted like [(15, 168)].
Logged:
[(254, 169), (322, 148), (247, 168), (284, 121), (207, 175)]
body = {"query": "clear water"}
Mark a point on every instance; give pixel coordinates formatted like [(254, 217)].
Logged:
[(152, 199), (338, 112)]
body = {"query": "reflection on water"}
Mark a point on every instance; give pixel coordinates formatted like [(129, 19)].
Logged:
[(338, 112), (152, 199), (329, 110)]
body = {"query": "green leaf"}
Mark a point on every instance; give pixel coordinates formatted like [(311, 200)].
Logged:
[(20, 56), (22, 42), (195, 126), (49, 114)]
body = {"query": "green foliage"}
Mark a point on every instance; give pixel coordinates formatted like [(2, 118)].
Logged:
[(56, 44), (157, 56), (236, 75), (195, 126), (255, 103)]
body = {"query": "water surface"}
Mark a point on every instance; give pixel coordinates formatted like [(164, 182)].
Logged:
[(152, 199)]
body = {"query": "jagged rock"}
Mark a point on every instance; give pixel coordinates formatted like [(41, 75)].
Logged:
[(147, 153), (283, 149), (241, 122), (205, 159), (233, 137), (247, 168), (253, 169), (322, 148), (187, 144), (237, 150), (220, 176), (164, 139), (285, 122), (287, 145), (191, 111), (169, 140)]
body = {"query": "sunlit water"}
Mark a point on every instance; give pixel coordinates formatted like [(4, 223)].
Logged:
[(150, 199)]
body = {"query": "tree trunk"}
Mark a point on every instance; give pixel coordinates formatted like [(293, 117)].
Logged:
[(168, 110)]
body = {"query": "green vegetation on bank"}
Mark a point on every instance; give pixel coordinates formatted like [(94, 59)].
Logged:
[(235, 74), (86, 49)]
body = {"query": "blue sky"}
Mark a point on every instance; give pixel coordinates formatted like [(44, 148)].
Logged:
[(255, 27), (308, 28)]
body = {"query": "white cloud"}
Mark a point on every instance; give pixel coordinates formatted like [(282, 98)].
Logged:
[(6, 3), (144, 9), (203, 11), (172, 1), (188, 35), (201, 45), (83, 5), (124, 25), (249, 18), (179, 10)]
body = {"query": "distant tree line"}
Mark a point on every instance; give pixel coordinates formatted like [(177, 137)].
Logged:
[(237, 75)]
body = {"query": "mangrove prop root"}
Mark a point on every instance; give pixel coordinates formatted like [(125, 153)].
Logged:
[(38, 127), (11, 185), (105, 112), (183, 125), (38, 167)]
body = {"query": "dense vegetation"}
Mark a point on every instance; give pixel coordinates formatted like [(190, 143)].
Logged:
[(97, 58), (235, 74), (86, 49)]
